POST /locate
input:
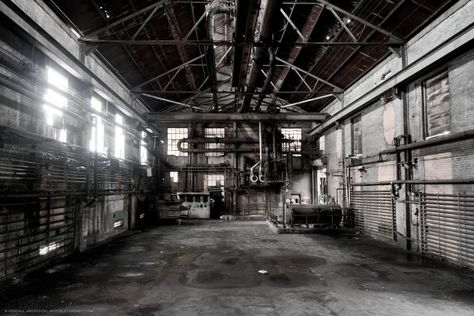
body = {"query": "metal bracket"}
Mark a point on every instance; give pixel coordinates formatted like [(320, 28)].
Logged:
[(396, 49), (339, 95), (87, 49)]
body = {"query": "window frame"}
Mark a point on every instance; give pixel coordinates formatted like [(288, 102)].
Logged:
[(214, 132), (97, 127), (353, 136), (178, 133), (425, 122), (56, 81), (119, 153), (215, 178), (143, 149), (287, 133)]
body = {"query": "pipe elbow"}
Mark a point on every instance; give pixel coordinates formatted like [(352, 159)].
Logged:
[(180, 147)]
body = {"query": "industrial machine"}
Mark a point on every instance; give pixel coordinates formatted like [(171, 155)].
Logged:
[(198, 203), (318, 215), (172, 208)]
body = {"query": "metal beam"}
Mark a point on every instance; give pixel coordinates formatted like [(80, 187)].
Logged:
[(266, 76), (313, 18), (227, 92), (197, 23), (302, 79), (343, 24), (235, 117), (172, 101), (307, 101), (150, 32), (224, 56), (172, 79), (292, 24), (325, 52), (176, 32), (309, 74), (457, 43), (101, 42), (145, 22), (168, 72), (329, 5), (157, 5)]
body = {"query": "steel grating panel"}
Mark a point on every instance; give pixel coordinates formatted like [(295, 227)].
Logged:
[(34, 231), (447, 227), (36, 215), (374, 213)]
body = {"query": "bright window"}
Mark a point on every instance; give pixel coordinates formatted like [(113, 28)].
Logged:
[(143, 149), (58, 101), (174, 176), (437, 106), (214, 133), (174, 135), (322, 144), (357, 135), (97, 130), (215, 180), (293, 134), (119, 151)]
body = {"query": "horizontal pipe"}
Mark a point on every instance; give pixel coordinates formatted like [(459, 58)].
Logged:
[(440, 140), (235, 117), (434, 182), (222, 140)]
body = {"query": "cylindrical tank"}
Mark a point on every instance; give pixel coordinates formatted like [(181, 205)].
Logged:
[(320, 215)]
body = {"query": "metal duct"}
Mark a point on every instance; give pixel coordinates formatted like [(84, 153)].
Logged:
[(246, 12), (270, 17), (211, 56)]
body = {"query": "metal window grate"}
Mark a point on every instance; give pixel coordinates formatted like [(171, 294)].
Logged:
[(374, 213), (447, 227)]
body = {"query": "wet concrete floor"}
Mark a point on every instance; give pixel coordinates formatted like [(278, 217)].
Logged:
[(211, 268)]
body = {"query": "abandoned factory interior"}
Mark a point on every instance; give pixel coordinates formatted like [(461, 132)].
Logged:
[(237, 157)]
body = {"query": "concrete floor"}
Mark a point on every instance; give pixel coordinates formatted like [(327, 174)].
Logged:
[(210, 268)]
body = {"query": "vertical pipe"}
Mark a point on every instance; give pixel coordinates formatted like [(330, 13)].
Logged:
[(260, 147), (420, 225)]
